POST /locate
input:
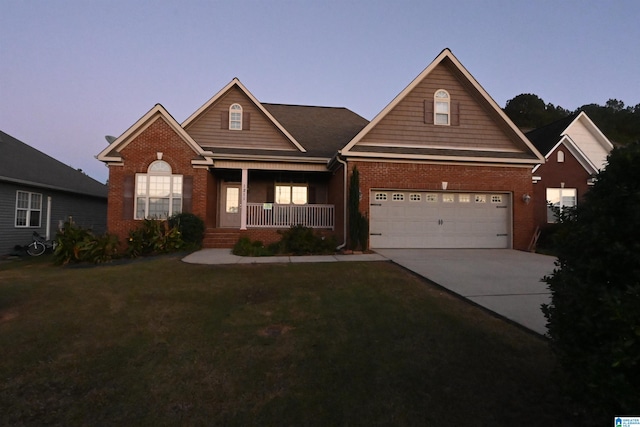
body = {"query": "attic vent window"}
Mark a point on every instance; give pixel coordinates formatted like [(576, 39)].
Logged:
[(560, 156), (235, 117), (442, 107)]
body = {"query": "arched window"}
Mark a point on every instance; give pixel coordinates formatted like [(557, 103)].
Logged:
[(235, 117), (560, 156), (158, 192), (442, 107)]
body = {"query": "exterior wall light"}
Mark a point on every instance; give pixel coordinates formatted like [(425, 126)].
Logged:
[(526, 199)]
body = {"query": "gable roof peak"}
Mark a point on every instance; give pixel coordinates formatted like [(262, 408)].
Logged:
[(473, 86), (236, 82)]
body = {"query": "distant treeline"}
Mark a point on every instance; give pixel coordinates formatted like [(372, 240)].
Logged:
[(619, 123)]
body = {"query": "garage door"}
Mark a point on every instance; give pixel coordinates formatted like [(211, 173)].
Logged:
[(420, 219)]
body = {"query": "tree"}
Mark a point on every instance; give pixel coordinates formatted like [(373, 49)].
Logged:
[(358, 224), (528, 111), (594, 316)]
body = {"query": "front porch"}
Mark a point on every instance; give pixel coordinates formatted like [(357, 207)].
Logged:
[(258, 203)]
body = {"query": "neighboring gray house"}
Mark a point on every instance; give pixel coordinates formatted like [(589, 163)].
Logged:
[(39, 193)]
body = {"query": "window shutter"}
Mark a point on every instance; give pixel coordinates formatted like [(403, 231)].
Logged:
[(428, 111), (455, 113), (312, 194), (270, 194), (127, 196), (246, 121), (224, 120), (187, 194)]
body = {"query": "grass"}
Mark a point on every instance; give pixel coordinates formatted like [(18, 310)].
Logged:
[(160, 342)]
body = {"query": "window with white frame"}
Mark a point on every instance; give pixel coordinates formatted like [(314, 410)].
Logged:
[(448, 198), (381, 196), (431, 197), (235, 117), (464, 198), (28, 209), (397, 197), (560, 198), (496, 198), (158, 192), (560, 156), (442, 107), (415, 197), (287, 194)]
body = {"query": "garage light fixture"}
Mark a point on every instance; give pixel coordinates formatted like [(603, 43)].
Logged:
[(526, 199)]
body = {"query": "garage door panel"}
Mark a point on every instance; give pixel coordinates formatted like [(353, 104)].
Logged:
[(410, 219)]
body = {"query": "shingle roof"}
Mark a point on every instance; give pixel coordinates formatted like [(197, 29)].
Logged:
[(322, 131), (546, 137), (24, 164)]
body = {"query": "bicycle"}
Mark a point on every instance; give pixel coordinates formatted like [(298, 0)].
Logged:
[(40, 245)]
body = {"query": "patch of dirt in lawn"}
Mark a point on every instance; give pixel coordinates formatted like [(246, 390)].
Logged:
[(274, 330), (6, 316)]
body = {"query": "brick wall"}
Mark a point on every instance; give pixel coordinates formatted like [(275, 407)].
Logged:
[(514, 180), (137, 156), (553, 174)]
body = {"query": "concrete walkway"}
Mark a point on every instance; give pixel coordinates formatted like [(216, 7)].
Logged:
[(504, 281), (224, 256), (507, 282)]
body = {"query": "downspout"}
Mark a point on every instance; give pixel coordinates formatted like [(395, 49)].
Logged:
[(48, 227), (344, 192)]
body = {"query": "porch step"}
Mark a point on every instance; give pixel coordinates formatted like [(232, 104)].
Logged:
[(220, 238)]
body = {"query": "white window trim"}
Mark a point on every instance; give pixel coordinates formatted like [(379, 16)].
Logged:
[(167, 172), (235, 109), (29, 210), (442, 100), (560, 156)]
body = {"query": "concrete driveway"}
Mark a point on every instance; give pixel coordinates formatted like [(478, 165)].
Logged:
[(505, 281)]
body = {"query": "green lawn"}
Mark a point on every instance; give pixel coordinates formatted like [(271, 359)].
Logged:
[(160, 342)]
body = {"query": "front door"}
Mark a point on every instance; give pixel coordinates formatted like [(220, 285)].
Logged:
[(230, 205)]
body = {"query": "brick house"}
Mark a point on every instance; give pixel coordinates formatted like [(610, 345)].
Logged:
[(575, 150), (440, 166)]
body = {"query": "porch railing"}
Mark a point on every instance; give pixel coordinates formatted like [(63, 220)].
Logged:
[(272, 215)]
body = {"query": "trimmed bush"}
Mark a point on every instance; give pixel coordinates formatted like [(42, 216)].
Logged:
[(191, 228), (245, 247), (297, 240)]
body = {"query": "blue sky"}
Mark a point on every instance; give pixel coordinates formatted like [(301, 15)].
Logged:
[(74, 71)]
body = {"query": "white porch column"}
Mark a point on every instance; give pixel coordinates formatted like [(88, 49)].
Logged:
[(243, 199)]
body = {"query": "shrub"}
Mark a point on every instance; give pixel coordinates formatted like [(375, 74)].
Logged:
[(593, 319), (152, 238), (300, 240), (75, 244), (245, 247), (297, 240), (191, 228)]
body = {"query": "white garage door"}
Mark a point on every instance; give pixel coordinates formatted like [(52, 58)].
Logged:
[(420, 219)]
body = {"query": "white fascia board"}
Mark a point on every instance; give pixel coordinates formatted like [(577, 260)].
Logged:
[(446, 53), (253, 99), (461, 159), (269, 165), (265, 158)]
